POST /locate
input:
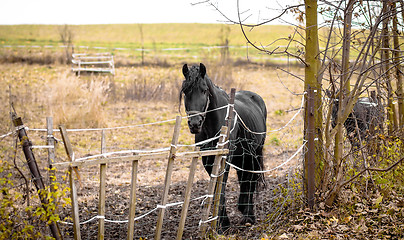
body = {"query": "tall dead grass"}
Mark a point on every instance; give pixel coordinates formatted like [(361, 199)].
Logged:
[(163, 84), (151, 84), (32, 56), (76, 103)]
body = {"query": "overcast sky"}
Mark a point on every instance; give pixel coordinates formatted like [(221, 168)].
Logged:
[(135, 11)]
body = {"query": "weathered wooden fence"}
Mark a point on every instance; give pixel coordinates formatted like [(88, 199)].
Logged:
[(170, 154), (97, 62)]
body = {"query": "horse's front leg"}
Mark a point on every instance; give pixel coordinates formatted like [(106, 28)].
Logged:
[(248, 183)]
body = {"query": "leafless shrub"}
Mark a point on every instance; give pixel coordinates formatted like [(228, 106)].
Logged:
[(147, 86), (66, 37)]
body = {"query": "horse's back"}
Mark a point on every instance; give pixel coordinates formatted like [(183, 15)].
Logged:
[(252, 110), (368, 110)]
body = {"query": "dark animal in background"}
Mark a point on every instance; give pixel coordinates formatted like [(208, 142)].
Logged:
[(201, 95), (367, 113)]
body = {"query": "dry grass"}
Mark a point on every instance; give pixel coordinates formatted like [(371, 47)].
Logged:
[(148, 83), (31, 56), (135, 95), (76, 103), (30, 43), (98, 101)]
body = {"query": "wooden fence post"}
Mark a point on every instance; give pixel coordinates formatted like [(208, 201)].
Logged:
[(51, 152), (33, 167), (188, 189), (212, 183), (79, 68), (73, 190), (132, 206), (101, 197), (218, 193), (167, 181), (101, 201)]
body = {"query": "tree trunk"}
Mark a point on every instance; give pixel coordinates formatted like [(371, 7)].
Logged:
[(312, 80), (397, 66), (346, 45), (345, 89), (385, 53)]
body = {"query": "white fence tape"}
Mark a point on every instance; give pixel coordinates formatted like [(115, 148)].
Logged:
[(141, 216), (7, 134), (272, 169), (164, 121), (123, 152)]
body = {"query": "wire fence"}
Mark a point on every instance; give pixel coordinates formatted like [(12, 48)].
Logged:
[(151, 175)]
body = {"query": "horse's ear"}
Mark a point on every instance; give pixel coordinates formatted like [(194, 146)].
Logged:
[(185, 70), (202, 70)]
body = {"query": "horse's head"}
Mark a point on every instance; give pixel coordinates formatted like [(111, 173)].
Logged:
[(197, 90)]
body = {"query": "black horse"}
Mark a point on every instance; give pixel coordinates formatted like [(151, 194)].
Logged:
[(246, 139), (367, 113)]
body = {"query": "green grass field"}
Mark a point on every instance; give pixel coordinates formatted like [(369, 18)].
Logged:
[(173, 40), (128, 35)]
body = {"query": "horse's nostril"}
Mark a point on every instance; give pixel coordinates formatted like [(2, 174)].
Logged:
[(195, 123)]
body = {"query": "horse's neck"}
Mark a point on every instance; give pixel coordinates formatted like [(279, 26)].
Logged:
[(216, 119)]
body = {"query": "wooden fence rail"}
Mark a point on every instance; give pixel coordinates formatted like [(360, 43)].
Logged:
[(98, 62)]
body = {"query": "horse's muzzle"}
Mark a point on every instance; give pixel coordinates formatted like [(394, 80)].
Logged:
[(195, 124)]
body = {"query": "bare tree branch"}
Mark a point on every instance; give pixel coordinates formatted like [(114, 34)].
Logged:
[(372, 169), (284, 11)]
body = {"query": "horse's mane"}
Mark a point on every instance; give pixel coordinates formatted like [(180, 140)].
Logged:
[(190, 82)]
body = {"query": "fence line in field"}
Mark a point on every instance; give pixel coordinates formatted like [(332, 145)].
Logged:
[(121, 127), (274, 168), (151, 50), (275, 130), (122, 49), (6, 135), (294, 116), (137, 151), (165, 121)]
